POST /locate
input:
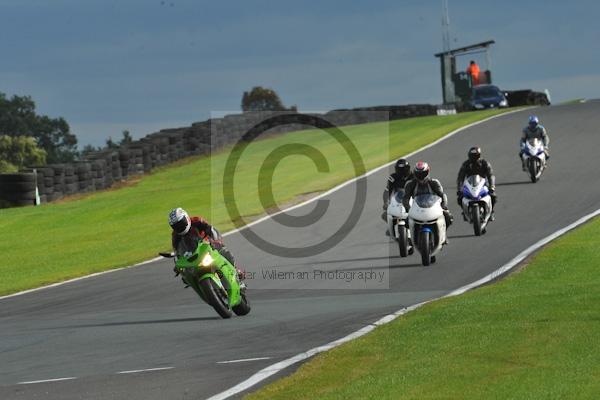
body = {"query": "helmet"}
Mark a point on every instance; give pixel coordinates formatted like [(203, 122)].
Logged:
[(421, 171), (474, 154), (180, 221), (533, 121), (402, 167)]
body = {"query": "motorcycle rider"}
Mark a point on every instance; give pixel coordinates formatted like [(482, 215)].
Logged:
[(397, 180), (534, 130), (184, 227), (423, 184), (475, 165)]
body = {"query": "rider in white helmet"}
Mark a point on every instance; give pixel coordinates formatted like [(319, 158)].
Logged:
[(197, 227)]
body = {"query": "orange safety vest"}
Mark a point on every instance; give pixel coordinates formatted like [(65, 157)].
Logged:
[(473, 70)]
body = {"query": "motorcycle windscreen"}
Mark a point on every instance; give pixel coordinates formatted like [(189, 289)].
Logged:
[(399, 195), (426, 200), (474, 180), (187, 245)]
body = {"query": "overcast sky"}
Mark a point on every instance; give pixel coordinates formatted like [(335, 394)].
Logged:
[(106, 66)]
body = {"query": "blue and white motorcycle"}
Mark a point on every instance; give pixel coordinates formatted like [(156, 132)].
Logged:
[(534, 158), (397, 220), (428, 226), (476, 203)]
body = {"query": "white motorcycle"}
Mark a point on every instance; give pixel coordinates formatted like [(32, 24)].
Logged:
[(476, 203), (397, 220), (534, 158), (428, 226)]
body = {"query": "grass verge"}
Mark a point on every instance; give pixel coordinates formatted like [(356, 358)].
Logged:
[(572, 101), (533, 335), (114, 228)]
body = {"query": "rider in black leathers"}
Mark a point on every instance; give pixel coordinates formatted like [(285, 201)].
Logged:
[(397, 180), (423, 184), (476, 165)]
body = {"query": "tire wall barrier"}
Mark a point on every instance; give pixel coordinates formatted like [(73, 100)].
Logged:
[(100, 170)]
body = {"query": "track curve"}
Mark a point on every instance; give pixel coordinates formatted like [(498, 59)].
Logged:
[(122, 339)]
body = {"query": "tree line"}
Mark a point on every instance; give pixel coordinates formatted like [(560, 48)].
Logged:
[(27, 138)]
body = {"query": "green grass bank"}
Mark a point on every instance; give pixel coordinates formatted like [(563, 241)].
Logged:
[(533, 335)]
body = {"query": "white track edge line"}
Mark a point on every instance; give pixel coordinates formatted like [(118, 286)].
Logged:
[(275, 368), (243, 360), (266, 217), (135, 371), (47, 380)]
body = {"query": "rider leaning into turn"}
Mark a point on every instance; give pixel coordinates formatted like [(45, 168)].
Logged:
[(534, 130), (196, 227), (475, 165), (424, 184), (397, 180)]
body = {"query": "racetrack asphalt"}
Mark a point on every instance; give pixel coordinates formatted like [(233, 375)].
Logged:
[(141, 318)]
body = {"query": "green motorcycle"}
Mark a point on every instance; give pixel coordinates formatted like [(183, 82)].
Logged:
[(211, 276)]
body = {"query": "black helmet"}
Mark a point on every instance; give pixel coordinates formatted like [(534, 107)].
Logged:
[(474, 154), (421, 171), (402, 167)]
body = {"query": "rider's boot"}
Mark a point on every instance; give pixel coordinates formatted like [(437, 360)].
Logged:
[(240, 273)]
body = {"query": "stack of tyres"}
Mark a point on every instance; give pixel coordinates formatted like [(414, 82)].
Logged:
[(136, 164), (84, 176), (98, 168), (59, 178), (163, 148), (108, 174), (18, 189), (115, 166), (45, 178), (52, 186), (124, 162), (147, 151), (71, 183)]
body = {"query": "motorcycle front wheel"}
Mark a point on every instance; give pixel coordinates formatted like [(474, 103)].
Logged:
[(425, 248), (403, 241), (476, 218), (244, 307), (216, 298), (533, 170)]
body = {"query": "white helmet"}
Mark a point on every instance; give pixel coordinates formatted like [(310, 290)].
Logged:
[(180, 221)]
